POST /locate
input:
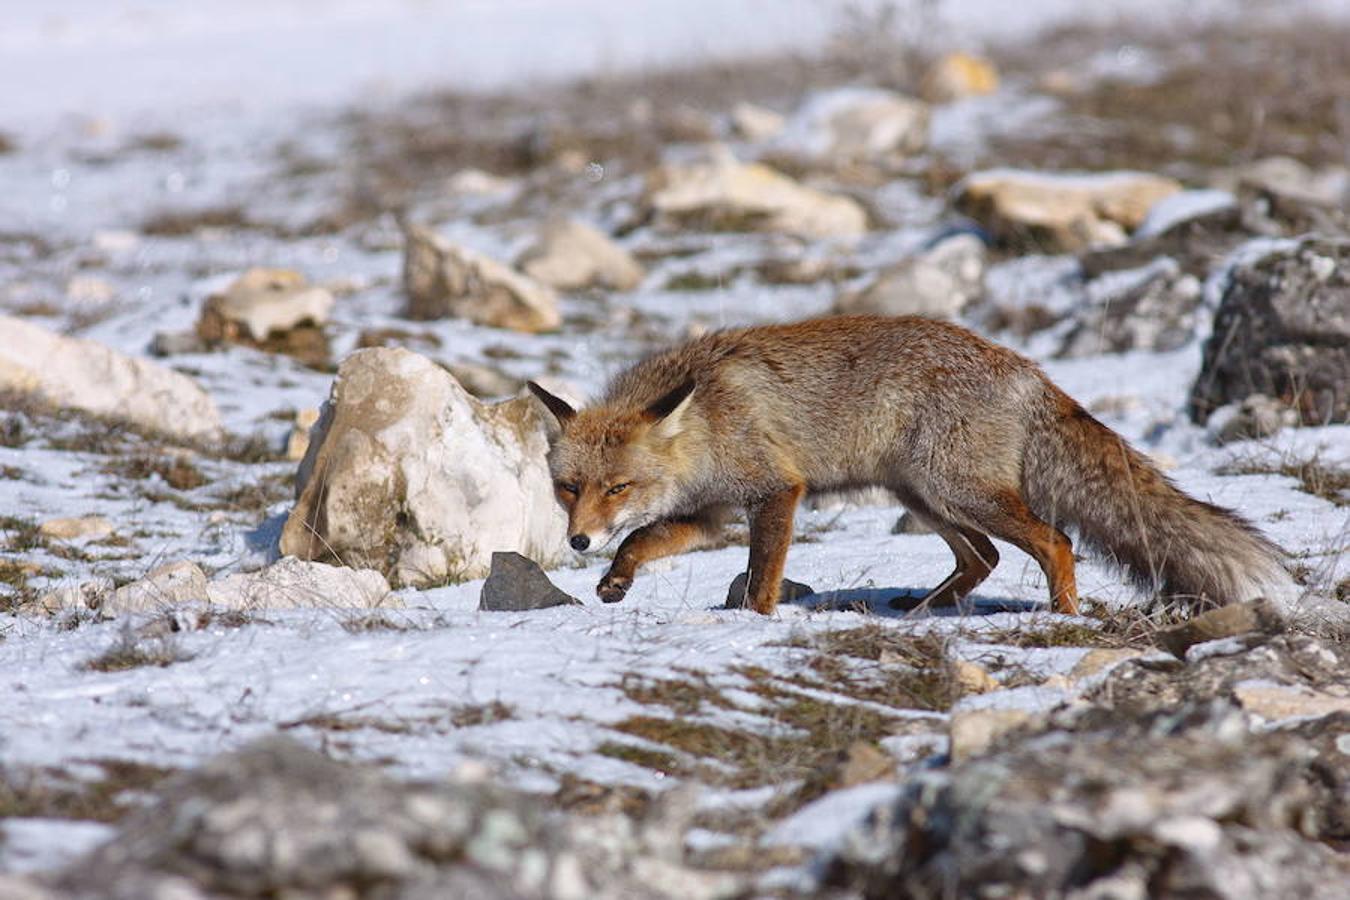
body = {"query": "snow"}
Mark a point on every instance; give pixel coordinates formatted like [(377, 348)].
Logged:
[(1181, 206), (36, 845), (249, 74), (820, 825)]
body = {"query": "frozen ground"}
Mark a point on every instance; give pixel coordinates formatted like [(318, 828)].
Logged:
[(538, 697)]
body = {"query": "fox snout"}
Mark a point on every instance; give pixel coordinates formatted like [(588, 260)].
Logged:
[(579, 542)]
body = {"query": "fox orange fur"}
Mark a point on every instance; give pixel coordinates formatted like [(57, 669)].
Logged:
[(973, 438)]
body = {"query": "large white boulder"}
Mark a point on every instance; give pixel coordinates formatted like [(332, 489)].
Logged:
[(84, 375), (571, 255), (443, 280), (724, 194), (410, 475)]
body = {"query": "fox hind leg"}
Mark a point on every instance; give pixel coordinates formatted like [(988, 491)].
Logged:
[(1004, 515), (975, 557)]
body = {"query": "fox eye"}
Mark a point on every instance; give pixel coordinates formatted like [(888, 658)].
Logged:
[(568, 487), (619, 488)]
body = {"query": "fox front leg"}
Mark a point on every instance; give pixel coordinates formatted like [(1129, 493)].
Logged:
[(770, 536), (664, 538)]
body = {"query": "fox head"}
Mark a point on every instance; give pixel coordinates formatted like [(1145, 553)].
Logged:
[(615, 470)]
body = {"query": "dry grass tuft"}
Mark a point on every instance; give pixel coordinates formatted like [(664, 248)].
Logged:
[(53, 794), (131, 652), (1330, 481), (1228, 92)]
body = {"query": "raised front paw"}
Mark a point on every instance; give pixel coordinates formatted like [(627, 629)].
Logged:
[(612, 587)]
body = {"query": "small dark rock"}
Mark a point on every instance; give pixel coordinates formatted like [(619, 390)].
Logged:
[(172, 343), (908, 523), (516, 583), (791, 590)]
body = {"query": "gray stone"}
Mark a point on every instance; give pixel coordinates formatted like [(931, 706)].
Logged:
[(908, 523), (442, 279), (1253, 617), (277, 819), (1153, 308), (517, 583), (571, 255), (1257, 416), (852, 125), (1282, 329), (1184, 803), (938, 283), (1221, 777), (791, 590), (723, 194), (172, 343)]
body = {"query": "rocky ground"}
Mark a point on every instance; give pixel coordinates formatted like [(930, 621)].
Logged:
[(262, 644)]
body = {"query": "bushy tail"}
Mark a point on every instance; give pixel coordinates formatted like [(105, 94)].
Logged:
[(1082, 476)]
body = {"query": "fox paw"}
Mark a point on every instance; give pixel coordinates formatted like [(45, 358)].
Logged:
[(612, 588)]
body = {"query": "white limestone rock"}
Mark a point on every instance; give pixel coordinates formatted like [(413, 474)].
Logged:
[(410, 475)]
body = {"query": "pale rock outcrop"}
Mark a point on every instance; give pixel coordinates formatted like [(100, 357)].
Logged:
[(851, 125), (410, 475), (293, 583), (287, 584), (86, 376), (937, 283), (444, 280), (165, 587), (756, 123), (1062, 211), (571, 255), (79, 528), (724, 194)]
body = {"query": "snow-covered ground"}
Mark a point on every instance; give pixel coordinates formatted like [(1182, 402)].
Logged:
[(85, 78)]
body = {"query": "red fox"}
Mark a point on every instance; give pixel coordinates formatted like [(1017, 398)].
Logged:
[(973, 438)]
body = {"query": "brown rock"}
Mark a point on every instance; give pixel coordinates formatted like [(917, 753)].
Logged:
[(443, 280), (1253, 617), (1061, 211)]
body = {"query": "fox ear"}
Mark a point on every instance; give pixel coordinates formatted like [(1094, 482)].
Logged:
[(667, 412), (556, 405)]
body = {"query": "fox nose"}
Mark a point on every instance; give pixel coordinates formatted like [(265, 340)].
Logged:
[(579, 542)]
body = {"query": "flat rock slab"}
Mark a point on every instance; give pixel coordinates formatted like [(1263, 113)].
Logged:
[(1253, 617), (516, 583)]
